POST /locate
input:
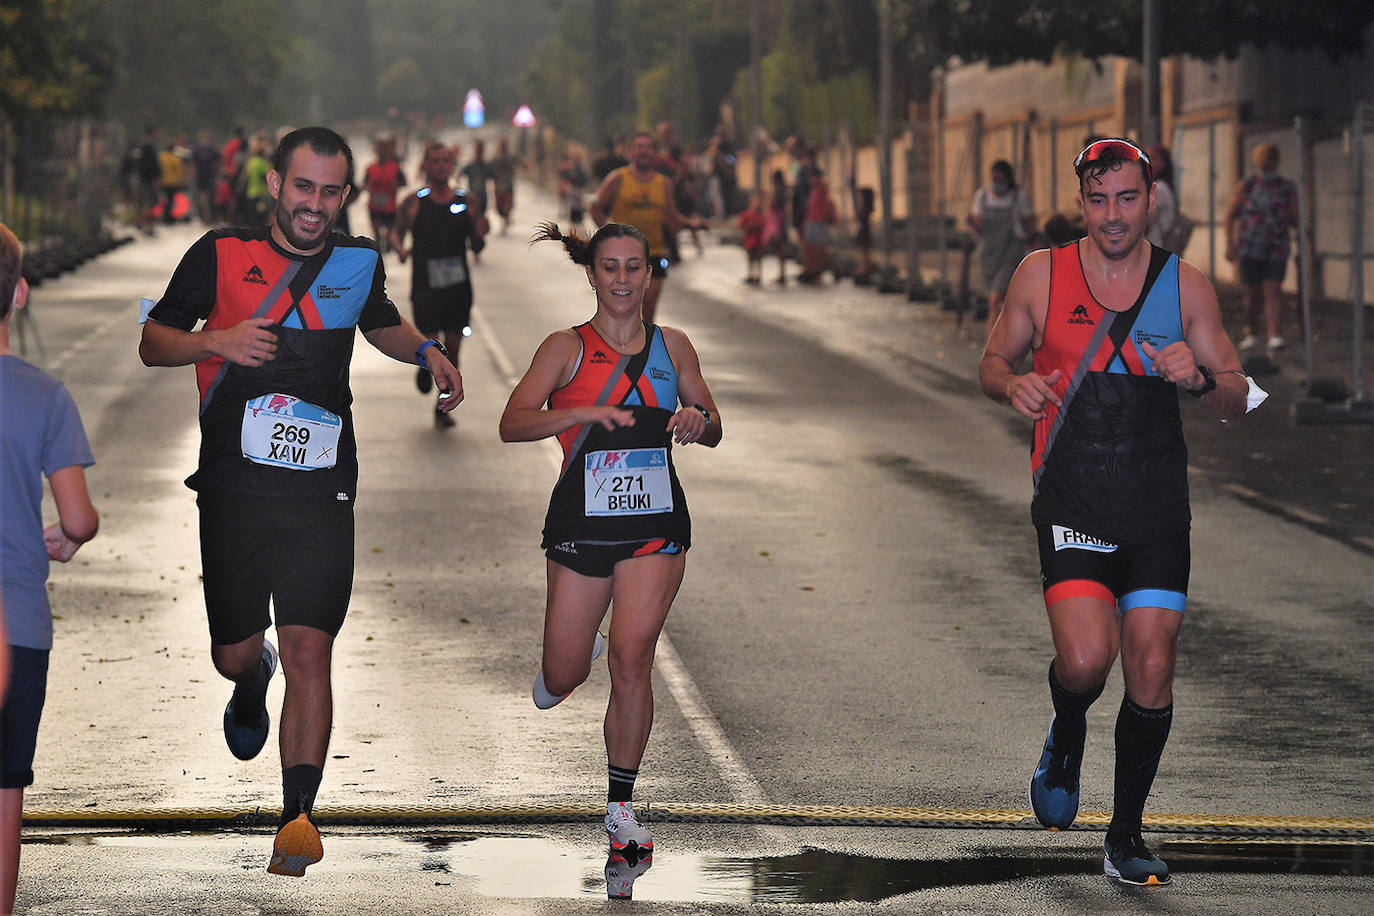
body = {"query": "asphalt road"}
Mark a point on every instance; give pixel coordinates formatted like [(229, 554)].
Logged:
[(860, 626)]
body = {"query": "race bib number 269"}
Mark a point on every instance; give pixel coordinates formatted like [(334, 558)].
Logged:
[(284, 431)]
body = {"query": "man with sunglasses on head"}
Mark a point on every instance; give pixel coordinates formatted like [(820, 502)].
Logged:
[(1115, 326)]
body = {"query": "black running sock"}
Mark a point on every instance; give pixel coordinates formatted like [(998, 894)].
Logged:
[(1071, 712), (1140, 737), (250, 694), (298, 787), (622, 784)]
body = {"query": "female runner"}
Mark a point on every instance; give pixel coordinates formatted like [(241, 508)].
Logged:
[(617, 527)]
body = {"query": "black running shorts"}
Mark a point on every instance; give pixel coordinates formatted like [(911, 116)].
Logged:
[(296, 552), (19, 715), (1154, 574), (597, 559), (447, 310)]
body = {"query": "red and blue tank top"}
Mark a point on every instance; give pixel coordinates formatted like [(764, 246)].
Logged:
[(1111, 461)]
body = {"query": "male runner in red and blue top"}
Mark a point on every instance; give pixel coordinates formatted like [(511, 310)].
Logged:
[(278, 467), (1116, 326)]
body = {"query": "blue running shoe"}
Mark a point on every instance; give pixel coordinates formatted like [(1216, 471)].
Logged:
[(1130, 861), (246, 732), (1054, 787)]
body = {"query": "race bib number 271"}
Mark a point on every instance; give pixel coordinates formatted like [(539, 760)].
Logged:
[(286, 432), (628, 482)]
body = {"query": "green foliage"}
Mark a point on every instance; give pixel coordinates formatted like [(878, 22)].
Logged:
[(188, 65), (1004, 31), (49, 62), (654, 94), (839, 100), (556, 84), (402, 84)]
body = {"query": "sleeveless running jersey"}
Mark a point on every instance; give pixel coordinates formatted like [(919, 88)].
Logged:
[(439, 255), (1111, 461), (638, 458), (385, 180), (644, 205)]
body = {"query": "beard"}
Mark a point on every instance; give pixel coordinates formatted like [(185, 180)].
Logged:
[(286, 224)]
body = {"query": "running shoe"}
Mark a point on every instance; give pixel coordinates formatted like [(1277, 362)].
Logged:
[(543, 699), (424, 380), (245, 731), (621, 874), (1277, 343), (1249, 342), (1054, 787), (628, 836), (1130, 861), (296, 846)]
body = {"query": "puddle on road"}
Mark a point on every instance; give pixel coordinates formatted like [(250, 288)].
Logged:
[(523, 866)]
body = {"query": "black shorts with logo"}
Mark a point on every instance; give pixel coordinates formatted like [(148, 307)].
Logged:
[(1152, 574), (296, 552), (597, 559)]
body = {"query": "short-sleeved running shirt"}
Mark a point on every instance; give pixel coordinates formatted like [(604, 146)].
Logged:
[(317, 301)]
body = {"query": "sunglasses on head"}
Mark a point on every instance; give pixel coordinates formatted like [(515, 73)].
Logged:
[(1119, 149)]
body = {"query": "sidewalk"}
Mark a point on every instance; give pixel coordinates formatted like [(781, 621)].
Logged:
[(1319, 475)]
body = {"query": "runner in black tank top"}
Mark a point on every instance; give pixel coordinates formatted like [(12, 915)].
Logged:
[(1116, 329), (617, 525), (443, 226)]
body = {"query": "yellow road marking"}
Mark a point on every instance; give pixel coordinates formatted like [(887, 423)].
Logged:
[(703, 812)]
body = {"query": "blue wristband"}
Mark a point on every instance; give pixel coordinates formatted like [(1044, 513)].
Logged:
[(420, 351)]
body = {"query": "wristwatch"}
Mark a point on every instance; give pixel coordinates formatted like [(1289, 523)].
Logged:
[(420, 352), (704, 412), (1209, 382)]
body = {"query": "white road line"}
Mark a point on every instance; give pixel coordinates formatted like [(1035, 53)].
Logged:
[(744, 788), (90, 337)]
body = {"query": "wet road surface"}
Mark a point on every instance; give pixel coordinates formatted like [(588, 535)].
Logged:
[(859, 626)]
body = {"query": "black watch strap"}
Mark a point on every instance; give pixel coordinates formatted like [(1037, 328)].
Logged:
[(1209, 382)]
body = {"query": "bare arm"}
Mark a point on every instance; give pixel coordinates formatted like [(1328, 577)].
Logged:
[(673, 216), (600, 208), (400, 341), (1229, 221), (525, 418), (1023, 316), (77, 519), (251, 342), (405, 218), (689, 424)]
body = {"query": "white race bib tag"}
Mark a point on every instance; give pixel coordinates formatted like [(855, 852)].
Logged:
[(629, 482), (445, 272), (1068, 539), (286, 432)]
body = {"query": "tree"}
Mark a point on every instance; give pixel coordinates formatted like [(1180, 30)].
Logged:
[(212, 63), (404, 86), (1004, 31), (49, 62)]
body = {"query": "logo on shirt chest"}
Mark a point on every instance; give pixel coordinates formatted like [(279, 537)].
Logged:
[(254, 275), (1080, 315)]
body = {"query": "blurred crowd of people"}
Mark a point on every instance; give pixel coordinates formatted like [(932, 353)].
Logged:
[(794, 216)]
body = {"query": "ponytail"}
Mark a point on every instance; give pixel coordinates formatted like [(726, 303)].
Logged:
[(578, 248), (583, 251)]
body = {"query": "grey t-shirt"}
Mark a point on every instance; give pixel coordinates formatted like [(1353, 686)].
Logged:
[(40, 432)]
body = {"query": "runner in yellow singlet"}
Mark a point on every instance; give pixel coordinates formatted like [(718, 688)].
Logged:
[(638, 195)]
